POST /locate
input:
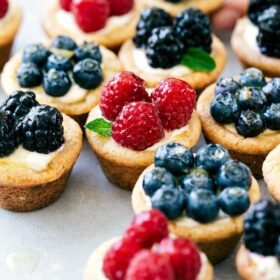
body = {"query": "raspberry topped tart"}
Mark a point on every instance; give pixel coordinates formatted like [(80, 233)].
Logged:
[(203, 195), (38, 149), (259, 257), (242, 114), (107, 22), (62, 74), (10, 19), (256, 38), (146, 252), (182, 47), (129, 125)]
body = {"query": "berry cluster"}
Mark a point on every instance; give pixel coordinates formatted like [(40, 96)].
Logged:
[(23, 121), (252, 104), (60, 66), (199, 184), (92, 15), (145, 252), (166, 39), (262, 228)]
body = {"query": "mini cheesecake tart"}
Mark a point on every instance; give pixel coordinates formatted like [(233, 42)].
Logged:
[(9, 25), (117, 29)]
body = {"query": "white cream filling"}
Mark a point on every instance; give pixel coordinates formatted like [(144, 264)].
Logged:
[(231, 127), (74, 95), (250, 35), (141, 62), (9, 13)]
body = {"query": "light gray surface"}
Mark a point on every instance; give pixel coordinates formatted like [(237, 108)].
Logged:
[(90, 211)]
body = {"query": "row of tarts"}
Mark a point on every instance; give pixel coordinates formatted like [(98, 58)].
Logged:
[(142, 134)]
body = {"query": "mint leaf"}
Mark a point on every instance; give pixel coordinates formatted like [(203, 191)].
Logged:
[(198, 60), (100, 126)]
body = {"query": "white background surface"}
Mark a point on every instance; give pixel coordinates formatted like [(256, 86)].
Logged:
[(90, 211)]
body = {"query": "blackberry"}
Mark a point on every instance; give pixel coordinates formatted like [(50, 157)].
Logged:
[(164, 50), (193, 28), (150, 18), (262, 227), (41, 130)]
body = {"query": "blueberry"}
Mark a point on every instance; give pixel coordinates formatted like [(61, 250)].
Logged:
[(35, 53), (56, 83), (88, 50), (272, 116), (29, 75), (175, 157), (228, 85), (252, 98), (198, 178), (58, 62), (88, 73), (169, 201), (224, 108), (252, 77), (234, 174), (250, 124), (211, 157), (156, 179), (64, 42), (272, 90), (202, 206)]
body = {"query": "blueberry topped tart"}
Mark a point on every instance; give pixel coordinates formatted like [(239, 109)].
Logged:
[(256, 38), (62, 73), (204, 195), (182, 47), (243, 114), (38, 148), (259, 257)]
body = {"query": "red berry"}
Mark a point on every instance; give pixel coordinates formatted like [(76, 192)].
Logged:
[(118, 258), (147, 228), (175, 101), (120, 7), (122, 89), (66, 4), (184, 257), (4, 6), (148, 265), (91, 15), (138, 126)]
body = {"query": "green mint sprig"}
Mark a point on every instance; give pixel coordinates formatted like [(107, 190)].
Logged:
[(100, 126)]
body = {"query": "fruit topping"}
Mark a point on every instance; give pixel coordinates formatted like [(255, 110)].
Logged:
[(272, 116), (227, 85), (252, 77), (4, 7), (29, 75), (64, 43), (66, 4), (58, 62), (272, 90), (120, 7), (252, 98), (256, 7), (88, 50), (35, 53)]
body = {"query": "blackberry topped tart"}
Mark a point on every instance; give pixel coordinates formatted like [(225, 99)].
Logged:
[(256, 38), (38, 148), (242, 113), (203, 195), (182, 47), (131, 122), (146, 252), (107, 22), (62, 74), (259, 257)]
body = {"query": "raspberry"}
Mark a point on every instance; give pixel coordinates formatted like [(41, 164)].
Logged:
[(66, 4), (184, 257), (118, 258), (148, 265), (138, 126), (175, 101), (91, 15), (123, 88), (4, 6), (120, 7), (147, 228)]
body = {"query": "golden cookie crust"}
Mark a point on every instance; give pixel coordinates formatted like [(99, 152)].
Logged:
[(204, 5), (250, 56), (94, 271), (198, 80), (111, 39)]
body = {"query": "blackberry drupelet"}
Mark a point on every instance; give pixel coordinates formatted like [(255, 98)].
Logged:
[(41, 129), (193, 28), (164, 49), (150, 18)]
